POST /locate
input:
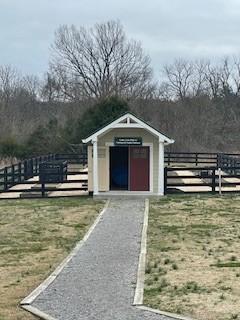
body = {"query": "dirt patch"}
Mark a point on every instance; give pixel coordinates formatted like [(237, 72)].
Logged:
[(193, 262), (35, 235)]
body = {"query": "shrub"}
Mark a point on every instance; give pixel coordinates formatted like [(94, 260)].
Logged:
[(99, 115)]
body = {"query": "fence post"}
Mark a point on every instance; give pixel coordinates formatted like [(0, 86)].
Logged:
[(196, 159), (220, 181), (31, 162), (36, 165), (19, 172), (12, 175), (213, 181), (5, 179), (219, 160), (25, 170), (168, 158), (165, 180), (43, 190)]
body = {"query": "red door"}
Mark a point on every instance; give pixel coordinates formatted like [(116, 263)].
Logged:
[(139, 168)]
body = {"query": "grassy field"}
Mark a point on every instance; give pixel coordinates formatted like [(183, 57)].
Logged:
[(35, 235), (193, 259)]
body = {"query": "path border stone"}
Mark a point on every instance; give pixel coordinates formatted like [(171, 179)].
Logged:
[(26, 302), (139, 291), (138, 297)]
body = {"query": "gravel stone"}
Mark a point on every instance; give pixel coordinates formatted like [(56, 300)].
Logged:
[(99, 282)]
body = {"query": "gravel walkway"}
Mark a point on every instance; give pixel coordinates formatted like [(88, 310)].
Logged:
[(99, 282)]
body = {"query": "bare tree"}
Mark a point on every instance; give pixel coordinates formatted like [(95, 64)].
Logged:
[(31, 84), (213, 78), (100, 62), (50, 88), (9, 83), (179, 76), (199, 84)]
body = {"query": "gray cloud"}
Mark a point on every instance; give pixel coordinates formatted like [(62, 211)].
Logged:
[(168, 29)]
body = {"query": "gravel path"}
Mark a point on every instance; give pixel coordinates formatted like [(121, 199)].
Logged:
[(99, 282)]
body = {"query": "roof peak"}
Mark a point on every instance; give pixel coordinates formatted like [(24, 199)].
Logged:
[(136, 123)]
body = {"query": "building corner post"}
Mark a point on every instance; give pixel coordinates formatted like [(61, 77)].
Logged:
[(161, 168), (95, 166)]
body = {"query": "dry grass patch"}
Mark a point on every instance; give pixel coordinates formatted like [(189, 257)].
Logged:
[(193, 259), (35, 235)]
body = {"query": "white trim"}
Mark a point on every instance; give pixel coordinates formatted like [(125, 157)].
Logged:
[(127, 125), (150, 145), (95, 167), (161, 168), (142, 124)]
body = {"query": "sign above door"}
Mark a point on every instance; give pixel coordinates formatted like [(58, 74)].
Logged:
[(127, 141)]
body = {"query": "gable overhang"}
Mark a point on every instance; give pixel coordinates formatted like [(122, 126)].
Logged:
[(128, 121)]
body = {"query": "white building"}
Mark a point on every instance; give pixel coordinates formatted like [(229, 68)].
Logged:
[(126, 156)]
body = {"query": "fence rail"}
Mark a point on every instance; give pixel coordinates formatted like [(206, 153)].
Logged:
[(194, 179), (200, 171), (173, 158), (27, 172), (202, 158)]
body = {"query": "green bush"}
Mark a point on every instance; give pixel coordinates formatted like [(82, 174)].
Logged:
[(98, 116)]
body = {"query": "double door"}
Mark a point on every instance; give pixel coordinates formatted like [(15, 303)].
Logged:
[(129, 168)]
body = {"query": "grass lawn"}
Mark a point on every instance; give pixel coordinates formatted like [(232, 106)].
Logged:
[(193, 258), (35, 235)]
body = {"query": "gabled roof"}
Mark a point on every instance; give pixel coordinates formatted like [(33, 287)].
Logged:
[(128, 120)]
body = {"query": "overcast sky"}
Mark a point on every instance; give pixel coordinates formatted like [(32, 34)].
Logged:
[(168, 29)]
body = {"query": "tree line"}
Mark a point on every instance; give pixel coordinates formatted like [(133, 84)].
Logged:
[(195, 102)]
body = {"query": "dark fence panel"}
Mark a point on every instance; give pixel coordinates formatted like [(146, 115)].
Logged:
[(173, 158), (208, 178), (202, 158), (22, 173), (53, 171)]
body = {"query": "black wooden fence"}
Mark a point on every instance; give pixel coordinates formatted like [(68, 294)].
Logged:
[(195, 172), (190, 158), (202, 159), (201, 177), (202, 172), (23, 172)]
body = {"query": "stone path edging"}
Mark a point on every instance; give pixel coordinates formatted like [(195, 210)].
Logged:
[(164, 313), (35, 293), (138, 297), (37, 312)]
